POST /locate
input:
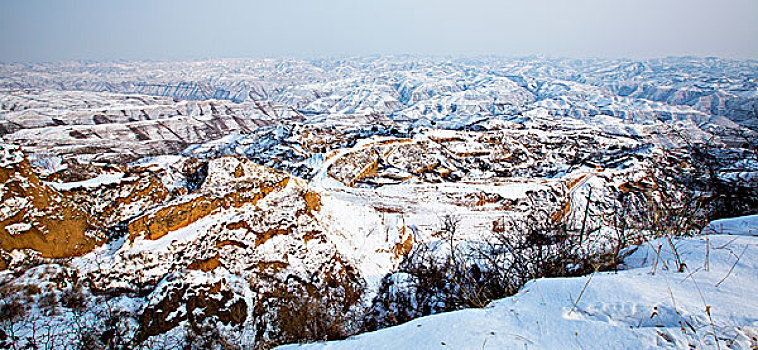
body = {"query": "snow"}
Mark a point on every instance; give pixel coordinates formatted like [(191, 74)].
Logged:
[(347, 217), (11, 206), (164, 161), (48, 162), (307, 115), (101, 180), (17, 229), (745, 225), (10, 155), (648, 305), (181, 235)]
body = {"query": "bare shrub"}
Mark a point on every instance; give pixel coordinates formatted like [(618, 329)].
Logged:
[(195, 171), (205, 335), (307, 312), (74, 298), (722, 171), (675, 205), (448, 275), (12, 312)]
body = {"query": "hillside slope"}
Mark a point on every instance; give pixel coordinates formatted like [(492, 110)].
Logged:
[(646, 305)]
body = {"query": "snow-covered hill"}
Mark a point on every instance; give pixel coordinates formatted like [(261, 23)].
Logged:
[(645, 305), (157, 202)]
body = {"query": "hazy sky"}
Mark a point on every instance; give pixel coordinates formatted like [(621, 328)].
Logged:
[(44, 30)]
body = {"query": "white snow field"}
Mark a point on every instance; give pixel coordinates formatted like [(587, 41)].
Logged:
[(644, 306), (746, 225)]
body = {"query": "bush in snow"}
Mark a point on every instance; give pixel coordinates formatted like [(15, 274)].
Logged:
[(447, 275)]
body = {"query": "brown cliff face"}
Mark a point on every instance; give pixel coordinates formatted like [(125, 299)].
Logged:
[(140, 189), (205, 265), (312, 200), (176, 216), (147, 185), (235, 181), (36, 216)]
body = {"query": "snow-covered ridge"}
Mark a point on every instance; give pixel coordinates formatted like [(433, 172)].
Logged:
[(412, 86), (746, 226), (165, 107), (101, 180), (644, 306)]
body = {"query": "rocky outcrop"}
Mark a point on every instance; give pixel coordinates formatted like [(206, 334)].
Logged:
[(195, 298), (245, 183), (139, 189), (35, 216)]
